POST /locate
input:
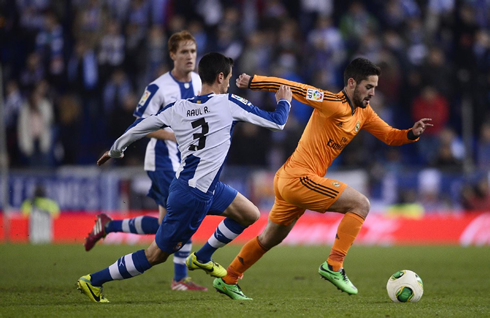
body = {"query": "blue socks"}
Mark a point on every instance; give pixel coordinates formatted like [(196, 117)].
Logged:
[(125, 267), (226, 231), (137, 225), (180, 268)]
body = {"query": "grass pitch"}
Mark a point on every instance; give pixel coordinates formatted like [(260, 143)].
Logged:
[(40, 281)]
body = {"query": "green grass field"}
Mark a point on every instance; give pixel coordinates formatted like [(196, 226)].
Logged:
[(40, 281)]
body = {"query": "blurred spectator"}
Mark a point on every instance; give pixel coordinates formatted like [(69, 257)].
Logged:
[(50, 46), (83, 72), (328, 52), (430, 104), (477, 197), (446, 161), (416, 41), (34, 129), (407, 205), (12, 106), (436, 72), (32, 74), (90, 19), (118, 9), (443, 44), (356, 23), (483, 147), (115, 92), (118, 121), (250, 152), (111, 49), (83, 80), (429, 194), (313, 10), (396, 12), (157, 46), (31, 18), (135, 52), (450, 151), (41, 212), (211, 11), (121, 117), (69, 120), (256, 55), (202, 37)]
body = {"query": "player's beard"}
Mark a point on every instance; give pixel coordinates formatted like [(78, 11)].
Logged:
[(357, 99)]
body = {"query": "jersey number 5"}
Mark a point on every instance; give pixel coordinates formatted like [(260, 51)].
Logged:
[(201, 136)]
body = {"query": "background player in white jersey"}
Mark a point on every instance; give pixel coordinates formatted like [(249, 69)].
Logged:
[(162, 157), (203, 126)]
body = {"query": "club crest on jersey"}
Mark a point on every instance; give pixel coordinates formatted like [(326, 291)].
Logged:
[(241, 99), (144, 98), (314, 95), (358, 126), (336, 184)]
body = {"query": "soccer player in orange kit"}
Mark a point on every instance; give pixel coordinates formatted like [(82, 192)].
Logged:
[(300, 184)]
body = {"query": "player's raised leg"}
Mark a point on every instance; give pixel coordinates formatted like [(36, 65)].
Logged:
[(355, 207), (251, 252), (239, 212), (125, 267), (105, 225)]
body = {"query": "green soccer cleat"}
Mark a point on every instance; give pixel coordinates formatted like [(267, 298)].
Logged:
[(339, 279), (93, 292), (232, 291), (211, 268)]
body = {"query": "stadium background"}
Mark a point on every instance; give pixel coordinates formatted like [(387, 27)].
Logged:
[(86, 63)]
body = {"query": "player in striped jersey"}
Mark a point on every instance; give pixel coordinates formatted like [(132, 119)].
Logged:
[(300, 183), (203, 126), (162, 157)]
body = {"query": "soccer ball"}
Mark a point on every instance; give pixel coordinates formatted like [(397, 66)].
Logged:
[(405, 286)]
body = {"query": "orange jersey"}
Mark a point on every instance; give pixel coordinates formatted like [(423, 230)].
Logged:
[(332, 125)]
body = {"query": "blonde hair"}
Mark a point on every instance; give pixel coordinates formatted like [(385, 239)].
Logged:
[(176, 38)]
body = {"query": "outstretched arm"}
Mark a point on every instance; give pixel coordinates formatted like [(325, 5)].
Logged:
[(243, 110), (136, 131), (327, 102), (162, 135)]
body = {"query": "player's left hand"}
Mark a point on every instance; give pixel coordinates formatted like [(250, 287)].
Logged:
[(243, 80), (103, 159), (420, 126)]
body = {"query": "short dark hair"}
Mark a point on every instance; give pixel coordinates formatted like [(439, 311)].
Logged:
[(359, 69), (212, 64)]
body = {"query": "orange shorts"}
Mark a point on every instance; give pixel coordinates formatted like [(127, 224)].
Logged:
[(295, 194)]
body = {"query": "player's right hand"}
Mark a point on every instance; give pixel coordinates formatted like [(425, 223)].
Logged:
[(103, 159), (243, 80), (284, 92)]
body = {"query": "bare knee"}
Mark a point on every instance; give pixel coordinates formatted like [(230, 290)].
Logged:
[(155, 255), (251, 216), (362, 206), (274, 234)]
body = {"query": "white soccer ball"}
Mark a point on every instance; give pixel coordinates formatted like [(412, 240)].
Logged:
[(405, 286)]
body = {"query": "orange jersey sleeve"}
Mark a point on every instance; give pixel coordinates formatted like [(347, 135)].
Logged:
[(332, 125), (384, 132), (326, 102)]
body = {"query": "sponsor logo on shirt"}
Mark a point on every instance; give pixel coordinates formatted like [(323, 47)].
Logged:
[(314, 95), (241, 99)]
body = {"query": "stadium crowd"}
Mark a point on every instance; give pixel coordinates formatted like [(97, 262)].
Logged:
[(73, 72)]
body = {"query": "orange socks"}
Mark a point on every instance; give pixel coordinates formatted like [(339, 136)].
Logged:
[(347, 231), (250, 253)]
